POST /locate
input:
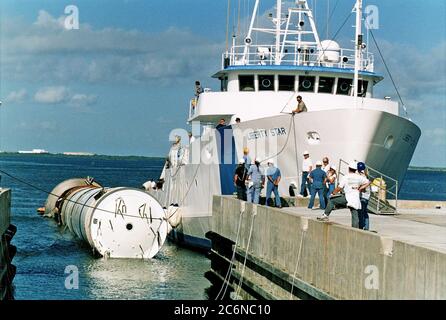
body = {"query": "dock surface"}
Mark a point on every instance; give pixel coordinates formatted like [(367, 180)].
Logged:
[(421, 227), (261, 252)]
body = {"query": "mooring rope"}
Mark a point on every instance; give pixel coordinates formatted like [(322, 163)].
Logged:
[(297, 262), (246, 253), (229, 272)]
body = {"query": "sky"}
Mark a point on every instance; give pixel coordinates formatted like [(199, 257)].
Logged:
[(121, 82)]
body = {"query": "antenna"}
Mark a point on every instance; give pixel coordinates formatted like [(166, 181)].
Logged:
[(358, 49)]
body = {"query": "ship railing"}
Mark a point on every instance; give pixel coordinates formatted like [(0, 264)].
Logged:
[(294, 56), (382, 188)]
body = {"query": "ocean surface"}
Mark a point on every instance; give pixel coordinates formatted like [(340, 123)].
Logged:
[(44, 250)]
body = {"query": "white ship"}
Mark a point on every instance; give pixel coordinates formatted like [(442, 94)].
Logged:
[(259, 85), (34, 151)]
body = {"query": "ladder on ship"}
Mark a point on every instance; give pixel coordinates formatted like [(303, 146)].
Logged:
[(383, 188)]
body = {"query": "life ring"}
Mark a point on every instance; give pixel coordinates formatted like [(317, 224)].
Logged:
[(266, 83), (306, 84), (344, 86)]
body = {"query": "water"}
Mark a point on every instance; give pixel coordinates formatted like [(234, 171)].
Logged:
[(424, 185), (45, 250)]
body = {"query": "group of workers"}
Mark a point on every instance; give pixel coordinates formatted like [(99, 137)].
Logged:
[(250, 178), (322, 181)]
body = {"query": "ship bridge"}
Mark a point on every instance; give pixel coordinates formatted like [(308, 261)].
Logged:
[(263, 79)]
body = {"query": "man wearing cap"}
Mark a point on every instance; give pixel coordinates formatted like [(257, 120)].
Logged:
[(247, 158), (273, 175), (307, 166), (352, 184), (256, 181), (317, 178), (240, 180)]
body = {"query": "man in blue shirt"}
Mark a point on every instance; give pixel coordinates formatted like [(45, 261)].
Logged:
[(256, 181), (317, 178), (273, 175), (247, 158)]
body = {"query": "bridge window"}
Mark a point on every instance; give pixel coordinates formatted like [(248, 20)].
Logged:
[(246, 83), (344, 86), (306, 84), (286, 83), (362, 88), (266, 83), (326, 85)]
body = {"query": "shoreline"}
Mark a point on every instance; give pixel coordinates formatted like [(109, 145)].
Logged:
[(411, 168)]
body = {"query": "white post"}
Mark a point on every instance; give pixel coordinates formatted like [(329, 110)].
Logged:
[(358, 48), (278, 25), (253, 18)]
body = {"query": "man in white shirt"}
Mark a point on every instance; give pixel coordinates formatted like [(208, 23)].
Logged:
[(352, 184), (326, 164), (307, 166)]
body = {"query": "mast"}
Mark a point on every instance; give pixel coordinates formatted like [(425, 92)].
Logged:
[(358, 49), (278, 30), (248, 39)]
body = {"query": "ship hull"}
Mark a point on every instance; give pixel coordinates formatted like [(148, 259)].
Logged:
[(382, 140)]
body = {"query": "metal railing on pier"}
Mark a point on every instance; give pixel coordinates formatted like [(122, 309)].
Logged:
[(383, 188)]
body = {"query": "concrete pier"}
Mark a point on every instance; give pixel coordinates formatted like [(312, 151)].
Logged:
[(7, 251), (288, 254)]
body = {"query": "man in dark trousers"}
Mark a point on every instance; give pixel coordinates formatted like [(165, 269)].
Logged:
[(241, 174), (273, 177), (317, 178)]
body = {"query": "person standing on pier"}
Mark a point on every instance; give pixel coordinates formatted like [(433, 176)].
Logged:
[(352, 184), (317, 178), (307, 166), (247, 158), (326, 167), (256, 181), (364, 222), (241, 174), (273, 175)]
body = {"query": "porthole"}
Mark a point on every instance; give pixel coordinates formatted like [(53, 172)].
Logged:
[(129, 226), (388, 142), (313, 138)]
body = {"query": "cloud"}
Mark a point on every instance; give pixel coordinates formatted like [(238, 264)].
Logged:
[(420, 75), (80, 99), (46, 51), (436, 136), (52, 95), (18, 96), (63, 95)]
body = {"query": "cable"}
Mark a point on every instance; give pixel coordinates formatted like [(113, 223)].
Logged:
[(386, 66), (295, 151), (285, 144), (297, 263), (229, 272), (69, 200), (246, 254), (227, 24)]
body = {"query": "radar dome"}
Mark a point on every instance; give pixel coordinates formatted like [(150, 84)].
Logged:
[(330, 51)]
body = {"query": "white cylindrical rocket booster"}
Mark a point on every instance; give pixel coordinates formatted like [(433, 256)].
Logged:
[(116, 222)]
